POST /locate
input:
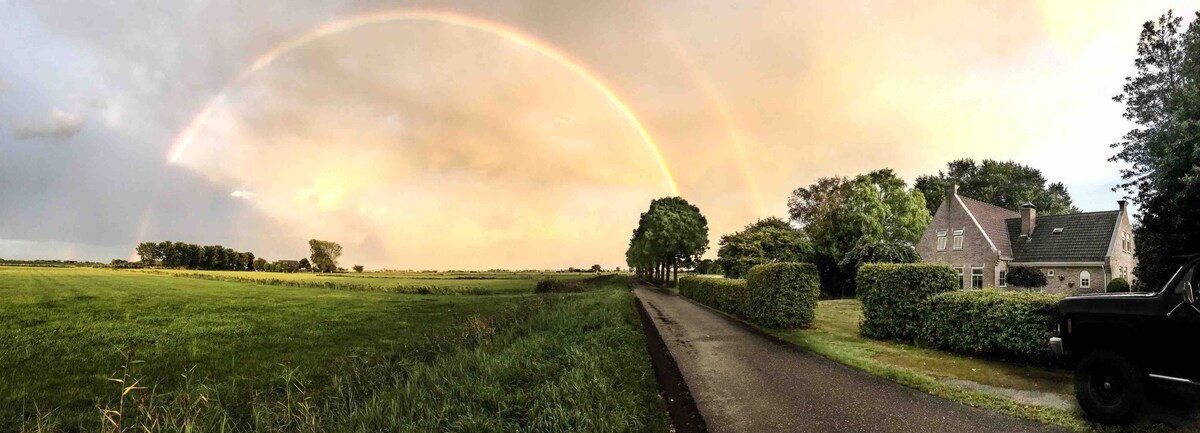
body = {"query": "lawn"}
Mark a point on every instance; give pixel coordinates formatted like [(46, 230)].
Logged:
[(211, 354), (478, 283)]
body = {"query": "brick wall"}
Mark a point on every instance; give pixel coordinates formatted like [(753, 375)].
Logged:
[(976, 251)]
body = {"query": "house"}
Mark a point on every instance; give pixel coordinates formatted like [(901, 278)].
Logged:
[(1079, 253)]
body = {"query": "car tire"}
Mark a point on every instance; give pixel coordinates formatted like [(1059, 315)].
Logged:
[(1109, 387)]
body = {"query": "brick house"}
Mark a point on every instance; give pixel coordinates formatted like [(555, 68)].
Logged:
[(1079, 253)]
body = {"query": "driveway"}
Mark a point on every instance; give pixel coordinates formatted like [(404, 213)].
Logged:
[(744, 382)]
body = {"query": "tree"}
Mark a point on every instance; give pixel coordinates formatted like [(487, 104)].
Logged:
[(148, 251), (596, 268), (1025, 278), (672, 233), (868, 251), (765, 241), (838, 214), (325, 255), (1163, 150), (260, 264), (304, 264), (1002, 183), (358, 268)]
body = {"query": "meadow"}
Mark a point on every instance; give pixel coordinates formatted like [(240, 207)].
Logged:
[(104, 350), (473, 283)]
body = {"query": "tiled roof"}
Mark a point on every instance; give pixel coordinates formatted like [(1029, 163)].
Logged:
[(1085, 237), (991, 218)]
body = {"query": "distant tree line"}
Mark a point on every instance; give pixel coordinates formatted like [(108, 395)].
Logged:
[(168, 254)]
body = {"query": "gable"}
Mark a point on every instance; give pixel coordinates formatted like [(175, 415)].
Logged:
[(991, 219), (951, 216), (1085, 237)]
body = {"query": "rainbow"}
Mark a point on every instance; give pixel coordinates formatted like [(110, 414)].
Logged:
[(185, 137)]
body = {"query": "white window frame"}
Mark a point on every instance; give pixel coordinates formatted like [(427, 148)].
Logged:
[(1085, 280), (1003, 276), (1049, 272), (941, 243), (962, 277), (980, 269), (958, 239)]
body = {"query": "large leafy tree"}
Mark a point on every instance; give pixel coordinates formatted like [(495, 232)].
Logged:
[(1163, 150), (671, 234), (1002, 183), (839, 213), (325, 254), (767, 240)]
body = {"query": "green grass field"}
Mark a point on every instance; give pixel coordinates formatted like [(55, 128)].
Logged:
[(218, 355), (477, 283)]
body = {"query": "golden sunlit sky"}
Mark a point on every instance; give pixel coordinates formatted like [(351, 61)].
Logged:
[(521, 134)]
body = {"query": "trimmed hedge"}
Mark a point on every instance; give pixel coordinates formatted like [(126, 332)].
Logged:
[(1117, 285), (783, 295), (992, 323), (728, 295), (775, 295), (893, 296)]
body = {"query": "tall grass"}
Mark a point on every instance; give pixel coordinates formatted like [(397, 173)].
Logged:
[(559, 362)]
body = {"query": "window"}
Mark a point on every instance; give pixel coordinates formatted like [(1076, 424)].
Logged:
[(1049, 272), (1085, 280), (1191, 273), (961, 281), (1003, 278), (976, 278), (958, 239)]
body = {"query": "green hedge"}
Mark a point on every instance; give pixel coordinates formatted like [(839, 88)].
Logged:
[(775, 295), (992, 323), (728, 295), (893, 296), (783, 295)]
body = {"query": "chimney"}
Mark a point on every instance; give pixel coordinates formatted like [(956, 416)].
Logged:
[(1028, 218), (1122, 203)]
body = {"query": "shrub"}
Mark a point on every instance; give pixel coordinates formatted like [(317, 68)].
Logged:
[(783, 295), (739, 267), (1025, 277), (728, 295), (992, 323), (1118, 285), (893, 296), (550, 285), (867, 251)]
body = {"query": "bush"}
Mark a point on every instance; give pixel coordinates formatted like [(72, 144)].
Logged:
[(551, 285), (866, 251), (776, 295), (783, 295), (992, 323), (739, 267), (727, 295), (1026, 278), (893, 296), (1118, 285)]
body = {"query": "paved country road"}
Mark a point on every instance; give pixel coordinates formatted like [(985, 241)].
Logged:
[(744, 382)]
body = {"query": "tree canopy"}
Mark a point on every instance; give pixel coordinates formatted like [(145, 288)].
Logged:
[(838, 214), (767, 240), (325, 255), (1002, 183), (670, 234), (1163, 150)]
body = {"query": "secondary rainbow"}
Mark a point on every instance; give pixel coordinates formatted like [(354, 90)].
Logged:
[(188, 134)]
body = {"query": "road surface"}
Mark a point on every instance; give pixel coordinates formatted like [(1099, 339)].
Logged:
[(745, 382)]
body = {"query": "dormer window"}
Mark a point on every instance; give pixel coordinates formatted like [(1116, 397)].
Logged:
[(958, 239), (941, 240), (1058, 230)]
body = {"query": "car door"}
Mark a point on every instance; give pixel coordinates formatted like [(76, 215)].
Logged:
[(1179, 338)]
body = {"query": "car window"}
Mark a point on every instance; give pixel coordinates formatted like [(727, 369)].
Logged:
[(1189, 276)]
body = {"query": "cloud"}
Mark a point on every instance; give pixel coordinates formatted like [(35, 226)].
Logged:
[(59, 124), (241, 193)]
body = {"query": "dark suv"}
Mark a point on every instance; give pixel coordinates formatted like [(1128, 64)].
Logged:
[(1119, 340)]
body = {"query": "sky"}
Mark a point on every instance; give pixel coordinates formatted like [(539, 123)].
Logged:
[(521, 134)]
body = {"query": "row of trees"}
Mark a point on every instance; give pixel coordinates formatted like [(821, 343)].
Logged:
[(184, 255), (167, 254), (1163, 149), (671, 234)]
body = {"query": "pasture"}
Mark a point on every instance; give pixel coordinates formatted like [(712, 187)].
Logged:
[(477, 283), (103, 350)]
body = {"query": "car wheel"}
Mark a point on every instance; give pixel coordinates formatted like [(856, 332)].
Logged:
[(1109, 387)]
